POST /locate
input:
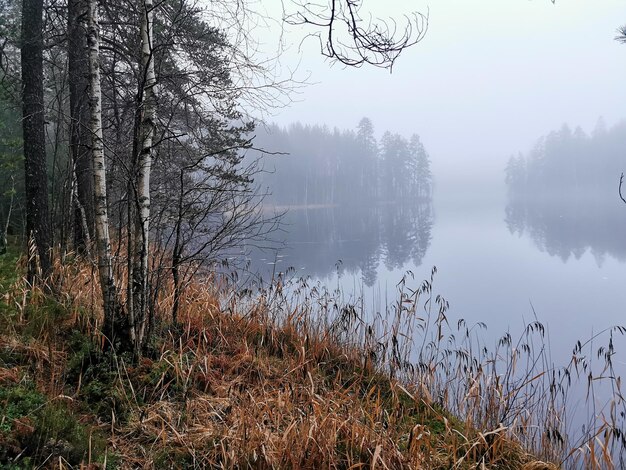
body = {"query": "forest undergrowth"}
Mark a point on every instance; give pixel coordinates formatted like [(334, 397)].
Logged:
[(287, 376)]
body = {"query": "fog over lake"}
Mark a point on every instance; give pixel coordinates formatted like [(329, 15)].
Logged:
[(493, 266), (486, 82), (545, 241)]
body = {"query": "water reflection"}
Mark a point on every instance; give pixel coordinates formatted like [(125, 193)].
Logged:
[(319, 241), (569, 227)]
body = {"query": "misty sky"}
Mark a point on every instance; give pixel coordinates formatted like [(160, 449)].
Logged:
[(487, 80)]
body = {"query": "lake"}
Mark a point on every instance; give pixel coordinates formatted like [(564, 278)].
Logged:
[(505, 263), (565, 263)]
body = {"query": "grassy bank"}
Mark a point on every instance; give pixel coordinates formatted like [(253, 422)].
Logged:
[(258, 379)]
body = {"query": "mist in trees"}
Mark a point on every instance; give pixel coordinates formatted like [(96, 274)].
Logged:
[(352, 202), (323, 166), (11, 174), (564, 193), (570, 164)]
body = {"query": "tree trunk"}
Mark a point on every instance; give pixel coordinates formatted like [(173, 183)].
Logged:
[(105, 264), (7, 222), (177, 252), (147, 111), (33, 126), (78, 70)]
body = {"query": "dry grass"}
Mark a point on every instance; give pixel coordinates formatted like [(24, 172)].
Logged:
[(285, 377)]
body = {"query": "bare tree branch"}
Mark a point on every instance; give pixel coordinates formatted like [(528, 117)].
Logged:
[(345, 37), (621, 34)]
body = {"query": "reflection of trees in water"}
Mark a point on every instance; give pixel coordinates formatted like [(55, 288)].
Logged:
[(406, 234), (567, 227), (564, 193), (359, 237)]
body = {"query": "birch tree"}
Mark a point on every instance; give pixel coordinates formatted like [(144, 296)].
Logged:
[(103, 241), (147, 113)]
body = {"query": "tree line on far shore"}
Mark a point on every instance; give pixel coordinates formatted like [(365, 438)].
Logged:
[(564, 193), (570, 164), (323, 166)]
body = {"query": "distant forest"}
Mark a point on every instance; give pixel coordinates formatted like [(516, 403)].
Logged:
[(343, 167), (570, 164), (352, 198), (564, 193)]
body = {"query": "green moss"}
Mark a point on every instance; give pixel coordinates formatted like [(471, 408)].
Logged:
[(16, 402), (174, 458), (9, 274), (60, 433), (33, 428), (83, 353), (113, 461), (43, 317)]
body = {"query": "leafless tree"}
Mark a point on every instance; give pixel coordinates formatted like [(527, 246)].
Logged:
[(140, 186), (103, 239)]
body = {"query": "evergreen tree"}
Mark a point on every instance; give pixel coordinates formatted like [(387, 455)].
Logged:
[(33, 125)]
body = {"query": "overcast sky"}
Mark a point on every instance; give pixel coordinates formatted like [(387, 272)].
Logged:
[(488, 79)]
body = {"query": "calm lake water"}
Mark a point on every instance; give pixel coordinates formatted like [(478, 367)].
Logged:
[(499, 262)]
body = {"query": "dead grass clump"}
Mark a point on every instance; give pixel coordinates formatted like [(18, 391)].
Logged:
[(269, 388)]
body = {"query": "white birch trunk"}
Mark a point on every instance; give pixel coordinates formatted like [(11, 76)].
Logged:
[(105, 265), (144, 165)]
